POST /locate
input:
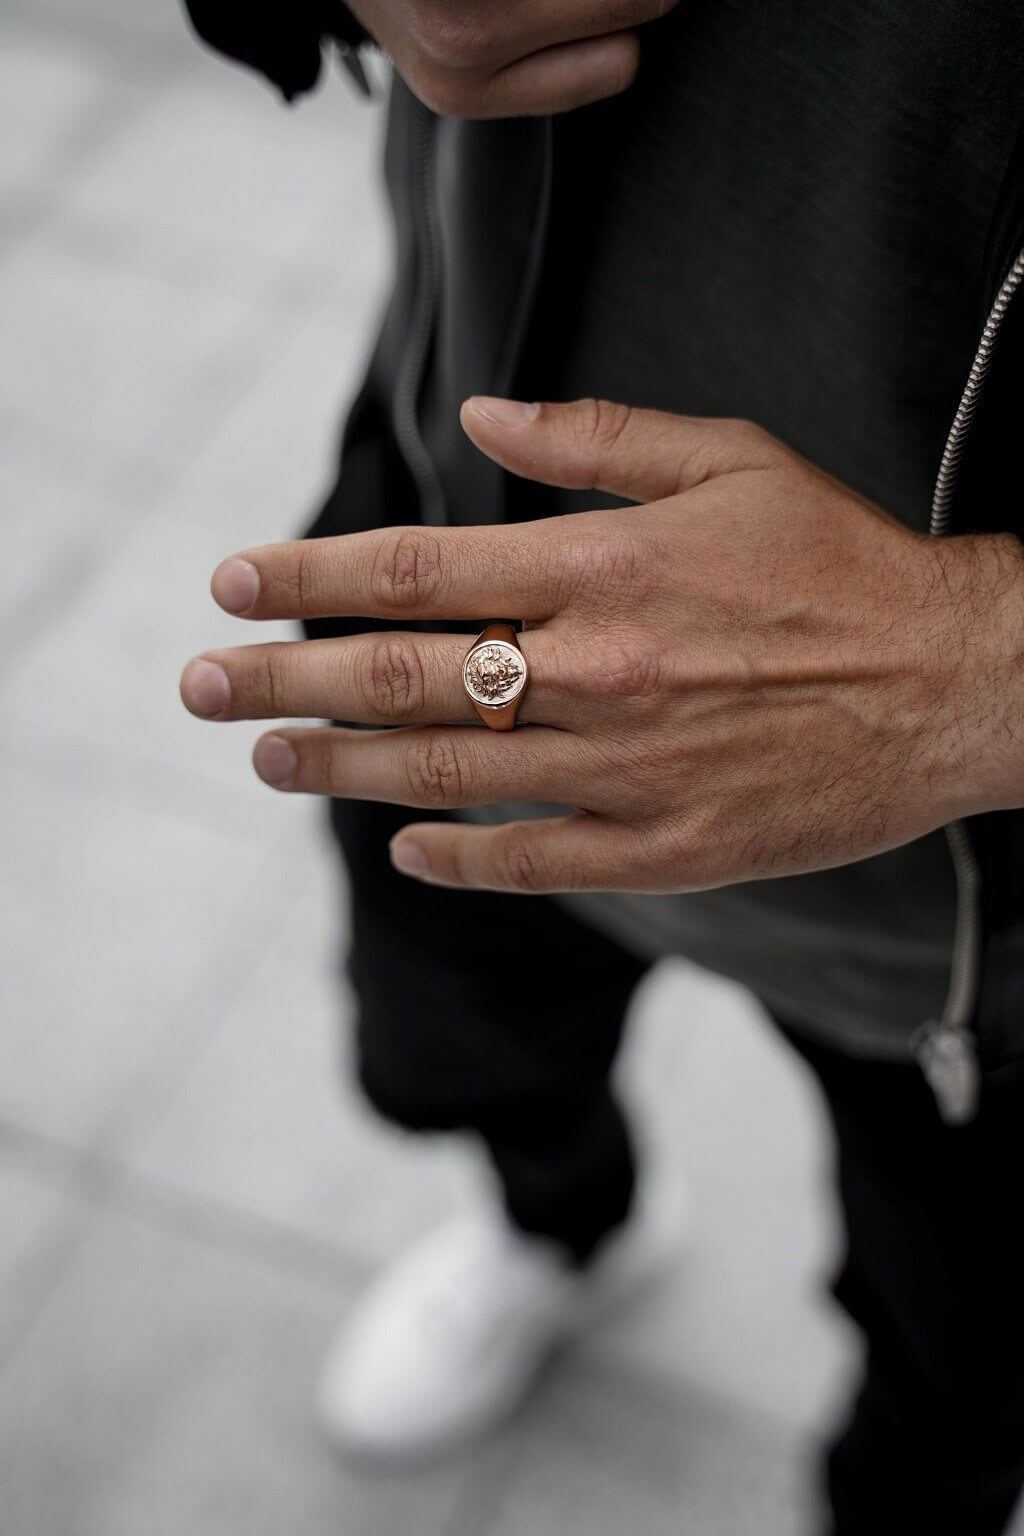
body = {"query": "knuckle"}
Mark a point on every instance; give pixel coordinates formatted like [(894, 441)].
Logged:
[(602, 422), (626, 63), (621, 565), (521, 865), (327, 762), (740, 426), (309, 572), (436, 776), (755, 440), (683, 850), (613, 566), (272, 685), (457, 37), (394, 679), (407, 569), (630, 669), (635, 768)]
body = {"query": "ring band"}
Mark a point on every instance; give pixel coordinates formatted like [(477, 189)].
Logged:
[(495, 676)]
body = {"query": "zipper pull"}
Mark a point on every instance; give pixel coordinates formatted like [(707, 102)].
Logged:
[(949, 1060)]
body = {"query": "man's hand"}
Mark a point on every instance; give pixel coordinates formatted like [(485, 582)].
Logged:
[(520, 58), (753, 673)]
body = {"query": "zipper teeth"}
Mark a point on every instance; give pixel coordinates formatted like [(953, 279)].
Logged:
[(965, 963), (945, 484), (410, 374)]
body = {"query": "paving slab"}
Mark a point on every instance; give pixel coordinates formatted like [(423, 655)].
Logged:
[(166, 1388), (600, 1455), (109, 915)]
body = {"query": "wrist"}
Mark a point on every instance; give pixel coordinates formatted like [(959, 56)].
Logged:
[(979, 757)]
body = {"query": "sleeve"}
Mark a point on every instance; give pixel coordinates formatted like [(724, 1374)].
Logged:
[(282, 42)]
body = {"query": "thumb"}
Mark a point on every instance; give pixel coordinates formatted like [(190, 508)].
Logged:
[(598, 445)]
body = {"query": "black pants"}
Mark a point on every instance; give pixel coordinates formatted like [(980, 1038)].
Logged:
[(501, 1015)]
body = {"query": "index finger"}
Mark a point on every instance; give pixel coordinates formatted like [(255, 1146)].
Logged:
[(403, 573)]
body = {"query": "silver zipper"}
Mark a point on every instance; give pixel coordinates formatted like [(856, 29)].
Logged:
[(946, 1048), (404, 411)]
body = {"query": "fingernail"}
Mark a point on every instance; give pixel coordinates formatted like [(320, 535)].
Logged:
[(409, 857), (275, 761), (205, 688), (506, 413), (235, 585)]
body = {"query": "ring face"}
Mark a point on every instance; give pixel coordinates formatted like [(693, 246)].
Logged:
[(494, 674)]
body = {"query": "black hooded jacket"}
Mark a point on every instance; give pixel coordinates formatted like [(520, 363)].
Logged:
[(843, 192)]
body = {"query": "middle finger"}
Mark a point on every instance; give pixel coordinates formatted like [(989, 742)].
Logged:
[(390, 678)]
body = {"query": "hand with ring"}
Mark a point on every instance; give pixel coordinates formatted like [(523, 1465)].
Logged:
[(750, 671)]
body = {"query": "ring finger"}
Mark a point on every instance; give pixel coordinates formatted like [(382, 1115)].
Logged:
[(392, 678), (435, 767)]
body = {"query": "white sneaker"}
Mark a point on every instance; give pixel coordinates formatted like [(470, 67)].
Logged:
[(448, 1341)]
